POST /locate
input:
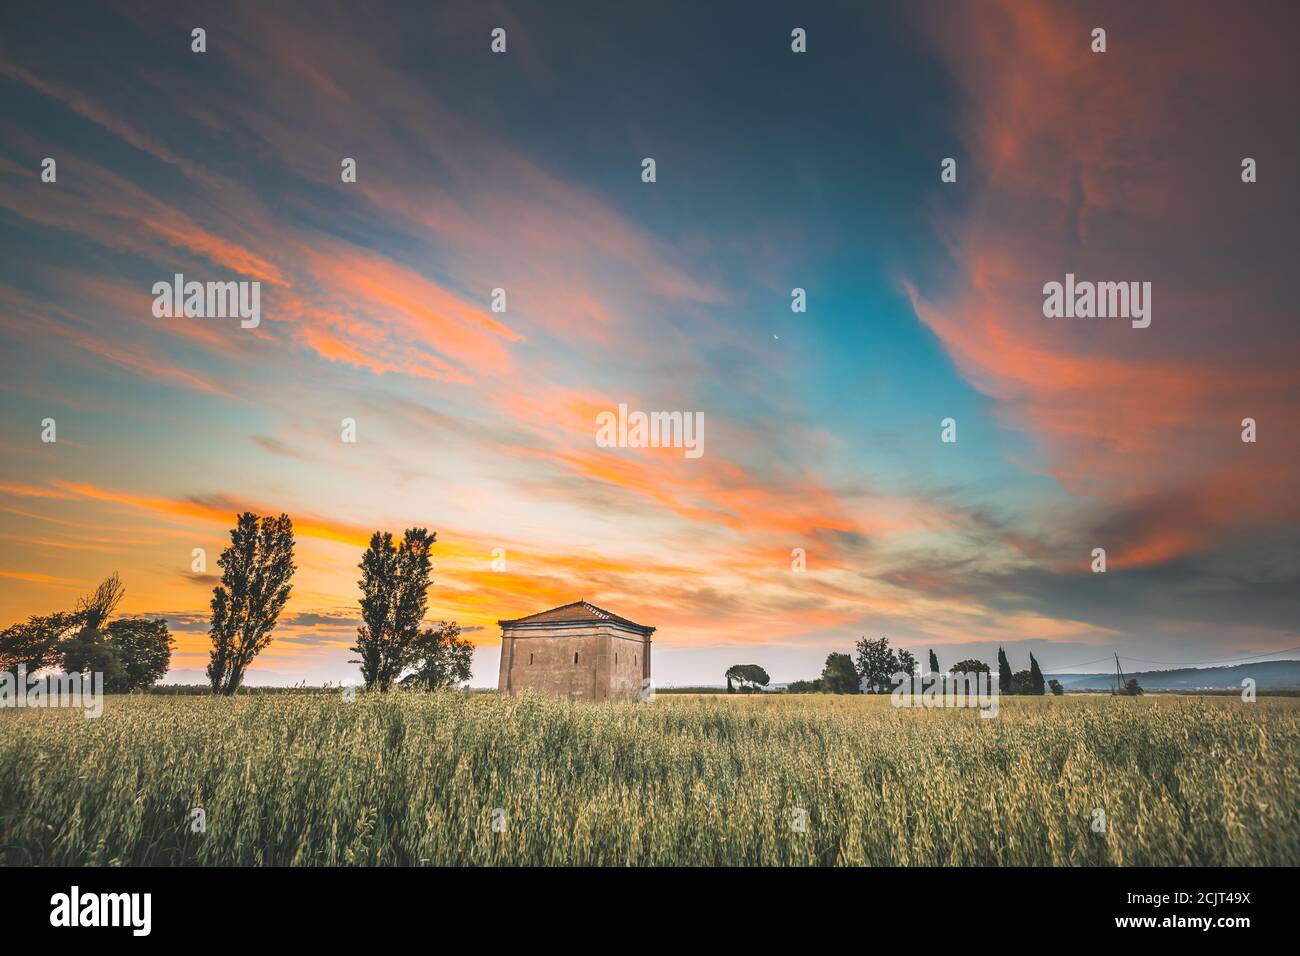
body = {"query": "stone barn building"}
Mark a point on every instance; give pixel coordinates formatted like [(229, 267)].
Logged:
[(578, 650)]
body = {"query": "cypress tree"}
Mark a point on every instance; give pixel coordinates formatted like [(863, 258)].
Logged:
[(1036, 677), (1004, 672)]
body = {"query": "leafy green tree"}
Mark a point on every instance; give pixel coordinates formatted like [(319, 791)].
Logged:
[(37, 642), (906, 662), (440, 658), (804, 687), (1035, 677), (95, 608), (839, 675), (144, 648), (394, 594), (756, 676), (256, 570), (1004, 673), (129, 652), (934, 663), (1057, 689), (749, 676), (970, 666), (1022, 683), (89, 651), (1132, 688), (876, 665), (41, 641)]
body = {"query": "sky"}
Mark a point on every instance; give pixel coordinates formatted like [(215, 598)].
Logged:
[(774, 170)]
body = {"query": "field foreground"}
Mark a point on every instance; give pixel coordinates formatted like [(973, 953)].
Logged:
[(415, 779)]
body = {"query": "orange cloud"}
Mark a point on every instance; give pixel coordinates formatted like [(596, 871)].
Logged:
[(1084, 163)]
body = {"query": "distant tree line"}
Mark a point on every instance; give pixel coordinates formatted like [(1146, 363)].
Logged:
[(872, 668)]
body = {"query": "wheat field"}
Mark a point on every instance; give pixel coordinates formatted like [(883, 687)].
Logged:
[(455, 779)]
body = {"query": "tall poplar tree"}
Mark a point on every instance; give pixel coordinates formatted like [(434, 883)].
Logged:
[(394, 593), (255, 572)]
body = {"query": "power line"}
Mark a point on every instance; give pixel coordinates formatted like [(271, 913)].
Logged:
[(1070, 667), (1238, 660)]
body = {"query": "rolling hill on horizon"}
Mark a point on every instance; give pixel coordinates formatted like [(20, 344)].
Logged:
[(1268, 675)]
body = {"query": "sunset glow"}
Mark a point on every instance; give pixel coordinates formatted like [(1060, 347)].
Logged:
[(822, 428)]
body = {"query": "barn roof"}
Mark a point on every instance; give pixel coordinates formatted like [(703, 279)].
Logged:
[(579, 612)]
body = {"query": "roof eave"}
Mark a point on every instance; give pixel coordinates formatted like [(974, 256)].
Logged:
[(584, 622)]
